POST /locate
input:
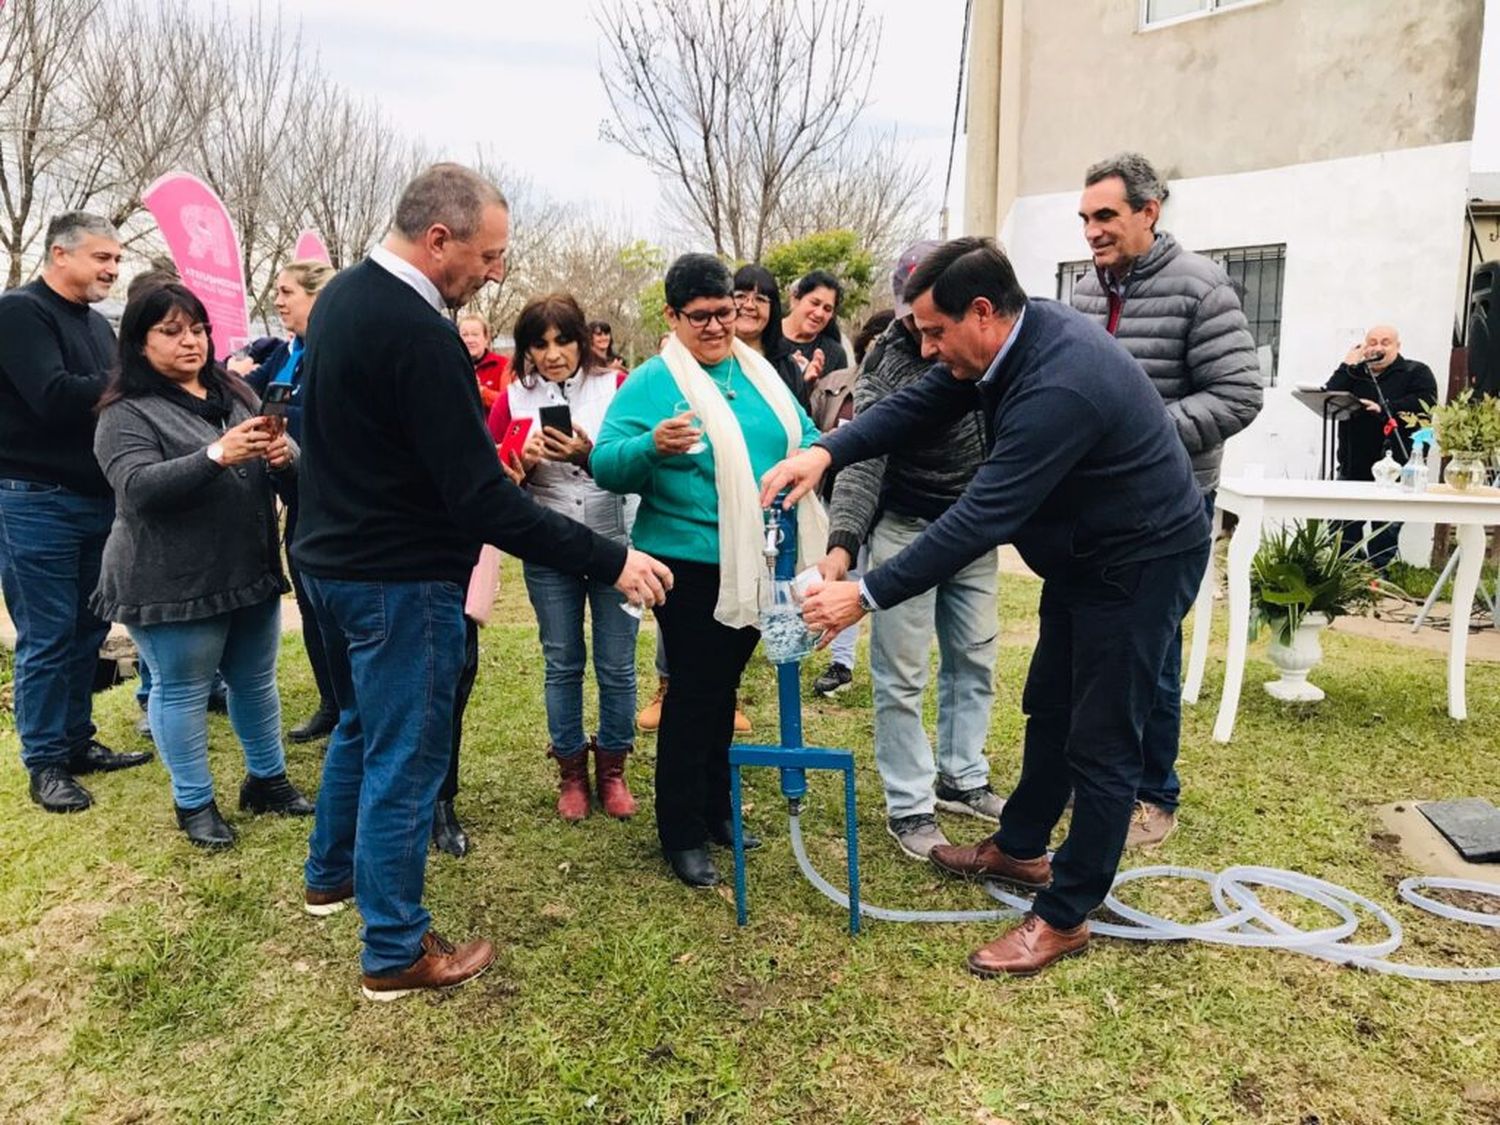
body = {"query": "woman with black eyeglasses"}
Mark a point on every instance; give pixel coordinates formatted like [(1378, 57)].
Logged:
[(692, 431), (193, 563)]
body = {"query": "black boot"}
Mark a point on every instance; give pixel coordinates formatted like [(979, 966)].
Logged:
[(273, 795), (319, 724), (694, 867), (722, 833), (54, 788), (205, 827), (447, 833)]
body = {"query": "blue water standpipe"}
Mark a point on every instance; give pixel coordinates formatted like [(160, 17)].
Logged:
[(1243, 919), (791, 756)]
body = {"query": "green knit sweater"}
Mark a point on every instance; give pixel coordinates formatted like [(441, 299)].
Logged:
[(679, 513)]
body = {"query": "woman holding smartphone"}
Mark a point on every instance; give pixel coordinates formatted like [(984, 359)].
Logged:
[(692, 431), (297, 289), (565, 398), (192, 565)]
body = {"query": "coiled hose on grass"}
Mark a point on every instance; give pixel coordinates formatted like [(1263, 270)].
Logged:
[(1243, 919)]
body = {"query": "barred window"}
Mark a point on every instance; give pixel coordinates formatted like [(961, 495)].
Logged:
[(1258, 274)]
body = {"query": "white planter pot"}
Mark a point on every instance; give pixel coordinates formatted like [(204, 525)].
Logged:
[(1295, 660)]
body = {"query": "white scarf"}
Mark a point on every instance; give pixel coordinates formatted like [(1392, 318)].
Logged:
[(744, 581)]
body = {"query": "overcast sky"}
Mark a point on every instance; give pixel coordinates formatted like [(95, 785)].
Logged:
[(521, 78)]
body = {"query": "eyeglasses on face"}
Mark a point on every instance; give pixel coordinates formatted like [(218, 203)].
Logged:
[(699, 318), (751, 299)]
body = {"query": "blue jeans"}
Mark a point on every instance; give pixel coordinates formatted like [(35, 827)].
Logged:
[(558, 600), (144, 678), (1162, 736), (395, 651), (1093, 678), (187, 656), (961, 611), (51, 541)]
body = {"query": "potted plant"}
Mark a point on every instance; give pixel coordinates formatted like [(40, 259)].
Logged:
[(1468, 431), (1300, 580)]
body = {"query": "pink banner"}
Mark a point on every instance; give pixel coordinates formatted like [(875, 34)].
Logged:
[(310, 247), (206, 249)]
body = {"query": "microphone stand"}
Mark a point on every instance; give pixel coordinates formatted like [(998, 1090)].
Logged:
[(1386, 407)]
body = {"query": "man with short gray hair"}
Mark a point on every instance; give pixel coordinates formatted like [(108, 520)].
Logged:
[(398, 486), (55, 505), (1177, 313)]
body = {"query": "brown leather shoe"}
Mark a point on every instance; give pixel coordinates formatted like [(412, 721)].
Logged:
[(985, 860), (320, 904), (1028, 949), (442, 965)]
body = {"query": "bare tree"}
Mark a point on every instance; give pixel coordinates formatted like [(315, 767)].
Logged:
[(243, 152), (43, 118), (868, 187), (734, 102), (352, 166), (146, 112)]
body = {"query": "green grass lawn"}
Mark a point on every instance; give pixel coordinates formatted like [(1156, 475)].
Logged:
[(141, 980)]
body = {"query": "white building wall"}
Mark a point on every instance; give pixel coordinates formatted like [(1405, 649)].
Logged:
[(1485, 160), (1369, 240)]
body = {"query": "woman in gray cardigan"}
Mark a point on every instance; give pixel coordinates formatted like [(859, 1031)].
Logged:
[(193, 565)]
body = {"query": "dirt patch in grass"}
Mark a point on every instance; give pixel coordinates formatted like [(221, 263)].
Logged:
[(1249, 1095)]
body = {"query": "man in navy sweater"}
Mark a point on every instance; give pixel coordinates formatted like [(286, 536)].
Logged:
[(1084, 473), (398, 486)]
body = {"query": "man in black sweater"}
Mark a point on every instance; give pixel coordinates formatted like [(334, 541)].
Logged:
[(1084, 473), (398, 486), (1387, 385), (55, 505)]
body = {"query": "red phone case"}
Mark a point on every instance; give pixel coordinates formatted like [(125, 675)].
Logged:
[(515, 438)]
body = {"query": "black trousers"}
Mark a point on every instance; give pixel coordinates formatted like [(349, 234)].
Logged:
[(312, 634), (1088, 692), (706, 660), (466, 677)]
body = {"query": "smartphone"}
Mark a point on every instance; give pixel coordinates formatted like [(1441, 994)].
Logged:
[(274, 403), (515, 438), (559, 418)]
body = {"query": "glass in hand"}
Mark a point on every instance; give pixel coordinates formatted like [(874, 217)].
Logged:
[(685, 407)]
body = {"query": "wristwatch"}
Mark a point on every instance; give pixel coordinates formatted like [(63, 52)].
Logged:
[(216, 453), (864, 601)]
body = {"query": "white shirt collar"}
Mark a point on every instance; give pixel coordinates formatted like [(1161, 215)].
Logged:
[(409, 273)]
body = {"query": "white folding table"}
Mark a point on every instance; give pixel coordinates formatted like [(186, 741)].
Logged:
[(1261, 502)]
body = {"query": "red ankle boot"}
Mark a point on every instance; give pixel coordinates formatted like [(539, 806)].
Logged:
[(609, 777), (573, 784)]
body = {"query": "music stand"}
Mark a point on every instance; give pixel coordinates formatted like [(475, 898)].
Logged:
[(1333, 407)]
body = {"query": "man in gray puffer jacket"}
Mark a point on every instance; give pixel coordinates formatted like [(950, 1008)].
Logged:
[(1177, 313)]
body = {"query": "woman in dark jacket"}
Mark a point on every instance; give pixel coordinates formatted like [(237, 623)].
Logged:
[(297, 288), (192, 565)]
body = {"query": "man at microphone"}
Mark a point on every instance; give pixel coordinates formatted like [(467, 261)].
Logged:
[(1387, 385)]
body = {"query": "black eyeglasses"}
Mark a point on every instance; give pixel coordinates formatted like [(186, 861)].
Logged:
[(699, 318)]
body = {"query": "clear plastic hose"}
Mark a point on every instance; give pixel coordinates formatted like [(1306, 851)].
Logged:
[(1243, 919)]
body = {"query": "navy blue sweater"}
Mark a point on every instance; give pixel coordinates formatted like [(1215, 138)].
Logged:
[(398, 479), (1083, 468)]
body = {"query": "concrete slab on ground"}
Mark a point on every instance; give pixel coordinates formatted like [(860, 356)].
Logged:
[(1424, 845)]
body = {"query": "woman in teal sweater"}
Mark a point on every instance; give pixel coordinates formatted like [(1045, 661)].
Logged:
[(691, 432)]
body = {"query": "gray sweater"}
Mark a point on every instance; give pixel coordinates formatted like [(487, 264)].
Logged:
[(1181, 319), (190, 540), (924, 478)]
